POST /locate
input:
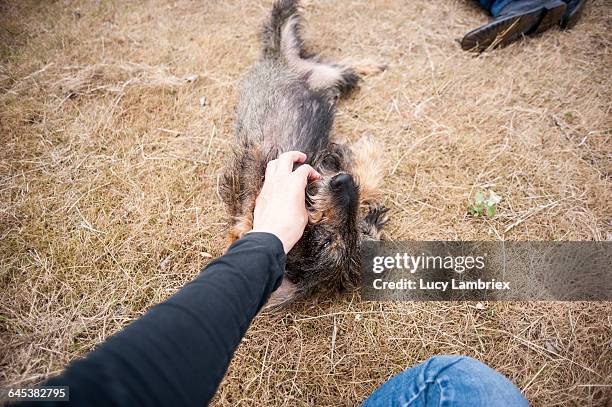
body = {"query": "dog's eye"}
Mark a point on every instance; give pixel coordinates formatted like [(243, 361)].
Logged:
[(326, 243), (331, 162)]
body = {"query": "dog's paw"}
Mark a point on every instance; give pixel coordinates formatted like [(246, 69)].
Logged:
[(378, 215), (374, 221), (369, 68)]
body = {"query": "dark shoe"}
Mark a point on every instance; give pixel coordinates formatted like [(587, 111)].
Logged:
[(521, 17), (572, 13)]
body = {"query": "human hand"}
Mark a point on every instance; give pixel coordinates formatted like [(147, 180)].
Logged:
[(280, 208)]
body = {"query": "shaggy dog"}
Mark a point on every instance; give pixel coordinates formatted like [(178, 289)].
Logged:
[(288, 102)]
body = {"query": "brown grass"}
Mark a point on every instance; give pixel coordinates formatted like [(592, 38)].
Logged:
[(109, 168)]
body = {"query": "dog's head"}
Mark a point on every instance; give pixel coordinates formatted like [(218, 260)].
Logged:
[(327, 256)]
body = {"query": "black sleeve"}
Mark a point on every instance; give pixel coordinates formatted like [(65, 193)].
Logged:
[(178, 352)]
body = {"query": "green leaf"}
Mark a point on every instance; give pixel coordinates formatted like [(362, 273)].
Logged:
[(494, 199), (479, 198), (491, 211), (476, 210)]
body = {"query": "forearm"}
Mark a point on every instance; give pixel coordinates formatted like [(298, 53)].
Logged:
[(178, 352)]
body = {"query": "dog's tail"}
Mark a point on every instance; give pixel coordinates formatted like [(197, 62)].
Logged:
[(280, 37), (282, 41)]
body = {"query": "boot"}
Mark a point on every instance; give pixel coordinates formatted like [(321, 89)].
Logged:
[(572, 13), (519, 18)]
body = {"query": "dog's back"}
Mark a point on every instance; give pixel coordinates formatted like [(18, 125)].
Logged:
[(278, 111)]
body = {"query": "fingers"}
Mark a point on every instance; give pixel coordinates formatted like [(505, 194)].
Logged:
[(284, 163), (286, 160), (305, 172)]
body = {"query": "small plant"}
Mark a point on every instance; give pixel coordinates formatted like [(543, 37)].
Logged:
[(482, 206)]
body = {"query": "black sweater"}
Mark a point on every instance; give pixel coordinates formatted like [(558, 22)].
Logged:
[(178, 352)]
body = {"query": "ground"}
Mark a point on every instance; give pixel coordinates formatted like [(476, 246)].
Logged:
[(116, 119)]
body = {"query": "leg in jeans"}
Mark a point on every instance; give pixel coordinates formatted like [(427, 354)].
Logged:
[(513, 19), (448, 381)]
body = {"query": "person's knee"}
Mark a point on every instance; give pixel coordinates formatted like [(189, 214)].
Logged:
[(452, 379), (459, 377), (450, 359), (446, 364), (451, 365)]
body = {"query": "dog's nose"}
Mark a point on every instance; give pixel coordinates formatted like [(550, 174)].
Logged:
[(341, 182)]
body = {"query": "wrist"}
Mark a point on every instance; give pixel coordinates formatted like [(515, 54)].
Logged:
[(279, 236)]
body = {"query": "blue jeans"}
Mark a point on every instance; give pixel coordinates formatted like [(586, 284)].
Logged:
[(494, 6), (448, 381)]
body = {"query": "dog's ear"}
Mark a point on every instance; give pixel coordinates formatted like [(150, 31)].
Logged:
[(367, 168), (283, 295)]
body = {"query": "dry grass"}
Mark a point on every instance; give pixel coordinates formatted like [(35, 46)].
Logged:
[(109, 167)]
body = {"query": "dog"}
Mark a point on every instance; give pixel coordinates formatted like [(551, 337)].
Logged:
[(288, 102)]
